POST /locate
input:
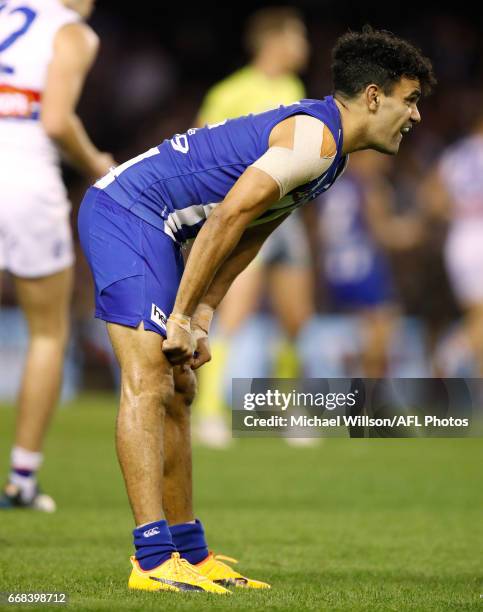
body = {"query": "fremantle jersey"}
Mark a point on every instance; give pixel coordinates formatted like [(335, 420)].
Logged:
[(176, 185), (27, 33)]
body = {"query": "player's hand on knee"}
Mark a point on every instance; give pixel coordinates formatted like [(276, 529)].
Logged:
[(202, 353), (200, 326), (179, 345)]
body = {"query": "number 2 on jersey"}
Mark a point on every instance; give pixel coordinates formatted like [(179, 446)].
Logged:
[(29, 16)]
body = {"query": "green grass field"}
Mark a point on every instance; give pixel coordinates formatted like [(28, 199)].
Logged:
[(351, 525)]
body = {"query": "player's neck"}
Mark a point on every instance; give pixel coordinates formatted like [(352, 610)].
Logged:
[(269, 68), (353, 127)]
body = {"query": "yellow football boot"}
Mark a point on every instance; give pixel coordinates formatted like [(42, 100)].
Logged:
[(175, 574), (220, 573)]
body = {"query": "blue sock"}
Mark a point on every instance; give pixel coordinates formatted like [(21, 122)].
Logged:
[(24, 473), (190, 542), (153, 543)]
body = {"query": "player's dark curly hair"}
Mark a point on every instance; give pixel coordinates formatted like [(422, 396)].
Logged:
[(380, 57)]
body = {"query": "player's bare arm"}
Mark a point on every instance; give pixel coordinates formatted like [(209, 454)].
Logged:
[(435, 199), (242, 255), (75, 48), (288, 163)]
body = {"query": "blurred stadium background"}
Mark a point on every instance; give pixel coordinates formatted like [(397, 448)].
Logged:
[(410, 539), (148, 83)]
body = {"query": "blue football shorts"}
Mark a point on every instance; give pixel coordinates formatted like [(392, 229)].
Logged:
[(136, 267), (374, 289)]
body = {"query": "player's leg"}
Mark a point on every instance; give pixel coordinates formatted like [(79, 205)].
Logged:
[(473, 322), (177, 483), (146, 389), (378, 325), (290, 278), (45, 303), (132, 296), (187, 533), (147, 392), (37, 250), (291, 293), (292, 298), (242, 299)]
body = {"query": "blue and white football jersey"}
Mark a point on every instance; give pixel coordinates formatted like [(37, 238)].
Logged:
[(176, 185), (355, 269)]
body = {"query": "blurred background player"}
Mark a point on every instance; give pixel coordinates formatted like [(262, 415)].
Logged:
[(276, 39), (358, 230), (453, 193), (45, 53)]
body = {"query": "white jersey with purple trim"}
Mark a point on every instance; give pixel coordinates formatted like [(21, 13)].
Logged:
[(461, 169), (27, 33), (35, 235)]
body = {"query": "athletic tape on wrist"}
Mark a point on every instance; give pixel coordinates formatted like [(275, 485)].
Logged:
[(198, 334), (202, 320), (181, 320)]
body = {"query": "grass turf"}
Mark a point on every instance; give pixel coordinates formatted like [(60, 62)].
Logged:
[(350, 525)]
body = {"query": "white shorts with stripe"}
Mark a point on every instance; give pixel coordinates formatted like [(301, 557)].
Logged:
[(35, 232)]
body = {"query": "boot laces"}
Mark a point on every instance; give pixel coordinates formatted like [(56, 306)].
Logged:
[(225, 558), (182, 568)]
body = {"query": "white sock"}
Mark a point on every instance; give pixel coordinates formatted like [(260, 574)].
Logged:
[(21, 459), (28, 461)]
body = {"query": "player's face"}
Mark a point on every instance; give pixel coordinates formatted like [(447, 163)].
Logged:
[(396, 115), (294, 46)]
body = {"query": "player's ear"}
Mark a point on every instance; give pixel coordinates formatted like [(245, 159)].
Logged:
[(372, 95)]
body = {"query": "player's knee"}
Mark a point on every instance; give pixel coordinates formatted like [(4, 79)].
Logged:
[(53, 339), (185, 383), (147, 385), (55, 329)]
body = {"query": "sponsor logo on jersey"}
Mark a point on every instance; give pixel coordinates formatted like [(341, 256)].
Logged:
[(158, 316), (19, 103)]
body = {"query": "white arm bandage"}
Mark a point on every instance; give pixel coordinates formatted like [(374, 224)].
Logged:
[(290, 168)]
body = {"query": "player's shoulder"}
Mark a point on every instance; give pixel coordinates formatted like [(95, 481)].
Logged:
[(51, 13), (284, 133), (78, 40), (232, 82), (223, 99), (294, 86)]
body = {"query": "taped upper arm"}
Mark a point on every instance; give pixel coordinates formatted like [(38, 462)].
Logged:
[(301, 149)]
